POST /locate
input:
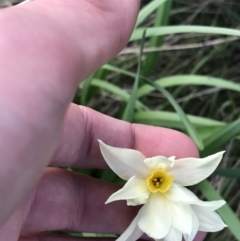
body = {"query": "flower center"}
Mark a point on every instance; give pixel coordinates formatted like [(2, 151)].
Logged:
[(159, 181)]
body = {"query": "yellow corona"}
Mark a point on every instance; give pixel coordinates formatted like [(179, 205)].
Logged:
[(159, 181)]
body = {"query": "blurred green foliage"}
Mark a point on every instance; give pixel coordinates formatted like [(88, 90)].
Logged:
[(186, 76)]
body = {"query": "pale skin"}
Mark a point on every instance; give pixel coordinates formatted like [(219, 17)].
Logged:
[(47, 48)]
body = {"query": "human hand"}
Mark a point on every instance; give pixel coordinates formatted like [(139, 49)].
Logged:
[(68, 201), (48, 47)]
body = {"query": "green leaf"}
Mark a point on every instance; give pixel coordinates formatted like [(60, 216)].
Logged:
[(189, 127), (172, 120), (85, 89), (148, 9), (158, 31), (228, 172), (118, 70), (92, 235), (221, 137), (129, 110), (185, 80), (225, 212), (204, 126), (161, 19)]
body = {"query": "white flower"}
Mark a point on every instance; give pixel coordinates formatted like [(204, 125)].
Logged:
[(170, 211)]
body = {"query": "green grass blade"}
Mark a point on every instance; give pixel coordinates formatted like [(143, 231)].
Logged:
[(172, 119), (158, 31), (179, 80), (225, 212), (161, 19), (184, 80), (189, 127), (85, 90), (129, 110), (221, 137), (117, 91), (228, 172), (204, 126), (148, 9), (118, 70)]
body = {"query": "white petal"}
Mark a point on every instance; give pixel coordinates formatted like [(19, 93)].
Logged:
[(182, 217), (156, 216), (212, 205), (125, 162), (180, 194), (158, 162), (190, 171), (135, 188), (133, 232), (195, 228), (136, 202), (172, 158), (173, 235), (209, 221)]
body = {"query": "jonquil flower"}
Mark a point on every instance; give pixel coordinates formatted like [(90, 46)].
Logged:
[(170, 211)]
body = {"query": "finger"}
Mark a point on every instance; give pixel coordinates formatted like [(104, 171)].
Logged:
[(83, 126), (69, 201), (55, 44)]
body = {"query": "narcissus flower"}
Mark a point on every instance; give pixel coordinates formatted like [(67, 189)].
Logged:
[(170, 211)]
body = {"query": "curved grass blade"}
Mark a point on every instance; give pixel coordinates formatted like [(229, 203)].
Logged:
[(148, 9), (161, 19), (178, 80), (117, 91), (172, 120), (129, 110), (158, 31), (118, 70), (85, 90), (225, 212), (221, 137), (188, 126), (204, 126), (228, 172)]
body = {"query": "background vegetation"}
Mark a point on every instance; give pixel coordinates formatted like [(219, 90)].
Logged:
[(186, 78)]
